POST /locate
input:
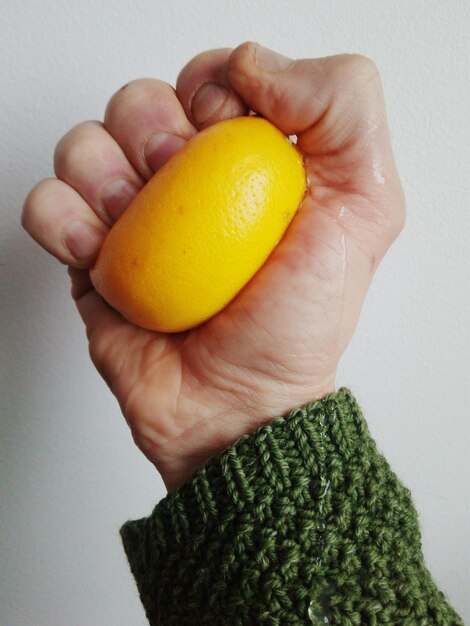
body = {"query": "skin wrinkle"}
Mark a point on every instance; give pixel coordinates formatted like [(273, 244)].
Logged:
[(212, 375)]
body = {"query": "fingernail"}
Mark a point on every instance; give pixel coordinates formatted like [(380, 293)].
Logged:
[(160, 147), (82, 239), (207, 100), (270, 61), (117, 195)]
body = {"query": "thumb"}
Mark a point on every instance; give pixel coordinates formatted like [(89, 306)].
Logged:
[(336, 108), (329, 103)]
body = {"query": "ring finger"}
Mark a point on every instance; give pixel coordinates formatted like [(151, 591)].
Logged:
[(89, 160)]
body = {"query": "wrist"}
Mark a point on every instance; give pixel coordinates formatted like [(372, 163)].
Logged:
[(240, 416)]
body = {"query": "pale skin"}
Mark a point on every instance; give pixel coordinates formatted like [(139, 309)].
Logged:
[(277, 345)]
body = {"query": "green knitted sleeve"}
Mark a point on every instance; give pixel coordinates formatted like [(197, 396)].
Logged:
[(301, 522)]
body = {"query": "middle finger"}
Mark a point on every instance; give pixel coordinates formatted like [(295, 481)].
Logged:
[(147, 120)]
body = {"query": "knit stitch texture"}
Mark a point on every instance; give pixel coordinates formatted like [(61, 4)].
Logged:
[(301, 522)]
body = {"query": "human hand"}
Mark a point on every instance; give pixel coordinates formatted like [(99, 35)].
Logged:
[(277, 345)]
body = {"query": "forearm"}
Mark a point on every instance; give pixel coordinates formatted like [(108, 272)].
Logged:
[(302, 518)]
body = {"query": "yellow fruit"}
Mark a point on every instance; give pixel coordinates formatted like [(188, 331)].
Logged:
[(202, 226)]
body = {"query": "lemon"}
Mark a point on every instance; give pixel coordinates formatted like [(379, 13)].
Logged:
[(202, 226)]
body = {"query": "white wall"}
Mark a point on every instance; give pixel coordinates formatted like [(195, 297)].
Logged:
[(70, 474)]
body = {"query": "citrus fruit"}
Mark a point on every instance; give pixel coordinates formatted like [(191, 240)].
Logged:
[(202, 226)]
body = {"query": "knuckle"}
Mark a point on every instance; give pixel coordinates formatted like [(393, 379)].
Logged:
[(362, 61), (74, 146), (237, 57), (391, 223), (201, 60), (124, 93), (247, 48), (28, 208), (97, 348), (128, 96), (399, 222), (356, 69), (94, 350), (360, 65), (30, 204), (398, 215), (104, 355)]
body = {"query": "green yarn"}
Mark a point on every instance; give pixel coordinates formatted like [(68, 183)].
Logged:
[(301, 522)]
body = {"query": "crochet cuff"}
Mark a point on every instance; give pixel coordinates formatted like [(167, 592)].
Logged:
[(300, 522)]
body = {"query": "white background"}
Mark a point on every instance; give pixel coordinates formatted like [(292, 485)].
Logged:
[(70, 474)]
